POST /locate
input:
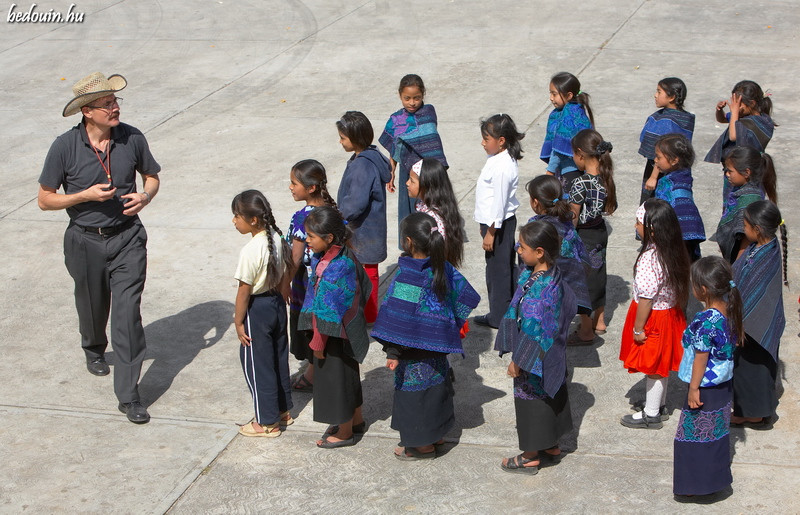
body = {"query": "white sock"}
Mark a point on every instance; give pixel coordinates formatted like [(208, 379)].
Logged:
[(655, 390)]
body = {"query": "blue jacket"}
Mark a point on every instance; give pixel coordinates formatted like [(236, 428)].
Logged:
[(362, 202)]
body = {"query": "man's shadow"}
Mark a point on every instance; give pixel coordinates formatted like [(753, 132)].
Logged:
[(174, 341)]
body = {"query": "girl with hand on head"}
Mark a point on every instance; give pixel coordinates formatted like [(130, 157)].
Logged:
[(307, 183), (671, 118), (702, 442), (410, 134), (534, 331), (263, 273), (651, 337), (757, 273), (495, 210), (751, 175), (593, 195), (571, 115), (334, 311), (419, 323), (548, 202), (362, 198), (674, 160)]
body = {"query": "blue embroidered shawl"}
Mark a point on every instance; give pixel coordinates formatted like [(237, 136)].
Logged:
[(757, 274), (410, 137), (751, 131), (412, 315), (574, 259), (534, 329), (732, 221), (664, 121), (336, 300), (562, 125), (676, 188)]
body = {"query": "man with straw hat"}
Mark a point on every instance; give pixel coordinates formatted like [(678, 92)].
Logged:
[(105, 251)]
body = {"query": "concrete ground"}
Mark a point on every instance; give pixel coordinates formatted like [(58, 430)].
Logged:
[(230, 95)]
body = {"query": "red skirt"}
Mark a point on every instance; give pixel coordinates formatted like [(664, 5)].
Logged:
[(662, 350)]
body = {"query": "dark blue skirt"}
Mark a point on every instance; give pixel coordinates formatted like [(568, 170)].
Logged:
[(702, 444)]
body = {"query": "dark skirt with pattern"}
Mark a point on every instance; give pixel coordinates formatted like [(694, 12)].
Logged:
[(702, 444), (595, 239), (754, 375), (423, 416), (541, 421), (337, 384)]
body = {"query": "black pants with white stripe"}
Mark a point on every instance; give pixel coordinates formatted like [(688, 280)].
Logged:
[(265, 361)]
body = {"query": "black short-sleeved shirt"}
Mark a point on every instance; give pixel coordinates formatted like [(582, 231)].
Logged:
[(72, 164)]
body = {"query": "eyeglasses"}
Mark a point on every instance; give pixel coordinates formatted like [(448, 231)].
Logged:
[(108, 106)]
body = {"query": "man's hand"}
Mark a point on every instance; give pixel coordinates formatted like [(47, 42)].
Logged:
[(134, 202)]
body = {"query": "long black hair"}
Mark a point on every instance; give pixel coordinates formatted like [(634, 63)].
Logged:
[(327, 220), (309, 173), (716, 275), (592, 145), (753, 97), (541, 233), (565, 83), (766, 219), (436, 191), (760, 164), (676, 146), (253, 204), (501, 125), (661, 228), (546, 189), (424, 236)]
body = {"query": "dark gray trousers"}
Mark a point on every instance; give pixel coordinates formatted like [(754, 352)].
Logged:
[(501, 270), (109, 274)]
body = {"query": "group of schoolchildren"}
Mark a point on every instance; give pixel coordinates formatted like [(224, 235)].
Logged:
[(538, 279)]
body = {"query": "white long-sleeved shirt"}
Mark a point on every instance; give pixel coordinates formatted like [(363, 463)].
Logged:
[(496, 192)]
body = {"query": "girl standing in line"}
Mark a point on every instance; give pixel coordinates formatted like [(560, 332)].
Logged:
[(307, 183), (362, 198), (751, 175), (702, 442), (651, 337), (410, 135), (534, 331), (260, 314), (571, 114), (671, 118), (495, 210), (418, 324), (758, 274), (548, 202), (674, 160), (593, 195), (749, 123), (429, 183), (334, 311)]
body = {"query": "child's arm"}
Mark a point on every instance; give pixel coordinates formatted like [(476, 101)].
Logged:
[(319, 341), (652, 181), (488, 239), (735, 103), (698, 371), (721, 111), (240, 311), (513, 369), (642, 314), (390, 185)]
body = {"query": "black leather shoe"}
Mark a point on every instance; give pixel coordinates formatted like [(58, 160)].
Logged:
[(97, 366), (135, 411)]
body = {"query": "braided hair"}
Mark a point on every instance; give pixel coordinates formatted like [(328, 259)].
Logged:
[(674, 87), (310, 173), (766, 219), (253, 204)]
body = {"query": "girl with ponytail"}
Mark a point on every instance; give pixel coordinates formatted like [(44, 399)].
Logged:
[(260, 314), (418, 324)]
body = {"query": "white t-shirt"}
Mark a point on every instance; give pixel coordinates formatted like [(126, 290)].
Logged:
[(253, 260), (496, 191)]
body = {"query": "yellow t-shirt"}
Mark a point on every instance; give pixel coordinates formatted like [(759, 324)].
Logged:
[(253, 259)]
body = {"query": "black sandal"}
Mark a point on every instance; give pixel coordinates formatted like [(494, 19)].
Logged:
[(358, 429), (517, 465), (301, 384)]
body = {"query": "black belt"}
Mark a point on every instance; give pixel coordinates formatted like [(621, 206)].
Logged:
[(108, 231)]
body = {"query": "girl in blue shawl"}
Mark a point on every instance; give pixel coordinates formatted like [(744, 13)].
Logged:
[(571, 115), (757, 273), (333, 311), (418, 324), (674, 157), (410, 135), (534, 330)]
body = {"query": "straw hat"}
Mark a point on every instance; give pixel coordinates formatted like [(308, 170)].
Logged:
[(91, 88)]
